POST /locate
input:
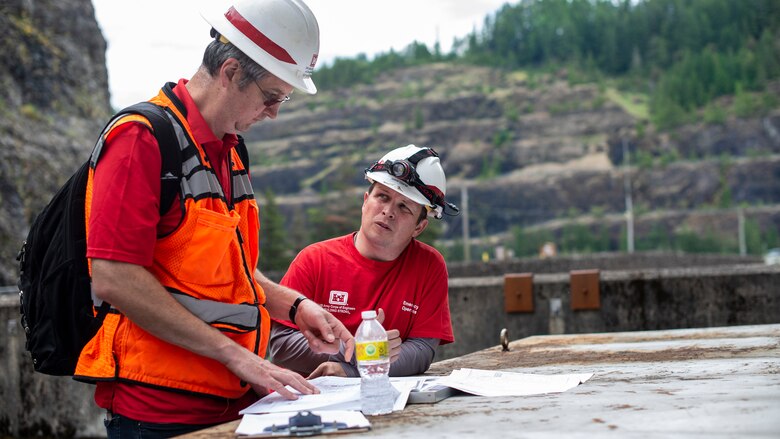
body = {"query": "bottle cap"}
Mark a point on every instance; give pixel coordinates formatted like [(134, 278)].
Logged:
[(370, 314)]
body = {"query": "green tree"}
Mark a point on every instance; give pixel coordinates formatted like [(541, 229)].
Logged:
[(528, 242), (274, 249)]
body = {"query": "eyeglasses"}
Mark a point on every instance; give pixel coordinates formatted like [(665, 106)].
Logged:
[(270, 102)]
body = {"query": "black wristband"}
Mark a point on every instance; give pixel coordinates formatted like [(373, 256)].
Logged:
[(294, 307)]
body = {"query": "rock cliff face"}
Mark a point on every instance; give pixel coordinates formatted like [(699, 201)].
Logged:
[(54, 98)]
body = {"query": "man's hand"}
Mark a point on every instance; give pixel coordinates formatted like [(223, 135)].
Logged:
[(323, 331), (393, 337), (264, 376), (328, 368)]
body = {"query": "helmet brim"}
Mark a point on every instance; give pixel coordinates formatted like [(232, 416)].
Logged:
[(404, 189)]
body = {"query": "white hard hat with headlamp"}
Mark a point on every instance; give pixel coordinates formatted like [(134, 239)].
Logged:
[(415, 173), (282, 36)]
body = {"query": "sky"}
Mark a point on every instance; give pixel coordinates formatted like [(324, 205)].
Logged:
[(151, 42)]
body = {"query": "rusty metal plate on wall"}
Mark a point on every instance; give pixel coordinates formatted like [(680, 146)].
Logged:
[(584, 286), (519, 292)]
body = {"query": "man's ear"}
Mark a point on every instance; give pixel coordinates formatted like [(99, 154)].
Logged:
[(420, 227), (229, 70)]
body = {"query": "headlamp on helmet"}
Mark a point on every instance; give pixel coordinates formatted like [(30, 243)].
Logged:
[(417, 174)]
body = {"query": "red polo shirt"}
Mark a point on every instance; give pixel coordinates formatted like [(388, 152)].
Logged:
[(123, 227)]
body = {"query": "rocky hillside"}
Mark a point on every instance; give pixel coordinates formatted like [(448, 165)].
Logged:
[(54, 97), (531, 149)]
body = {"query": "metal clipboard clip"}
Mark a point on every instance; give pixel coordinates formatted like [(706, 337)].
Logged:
[(304, 423)]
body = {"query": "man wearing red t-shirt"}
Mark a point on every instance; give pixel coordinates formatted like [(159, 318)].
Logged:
[(184, 344), (381, 267)]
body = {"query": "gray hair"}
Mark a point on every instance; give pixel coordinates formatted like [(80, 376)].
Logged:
[(218, 52)]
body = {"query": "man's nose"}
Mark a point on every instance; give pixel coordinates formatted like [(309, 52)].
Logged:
[(389, 211), (272, 111)]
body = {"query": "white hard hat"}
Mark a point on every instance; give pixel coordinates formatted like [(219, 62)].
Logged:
[(282, 36), (415, 173)]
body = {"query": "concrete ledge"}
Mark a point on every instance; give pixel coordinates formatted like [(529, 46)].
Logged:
[(631, 300)]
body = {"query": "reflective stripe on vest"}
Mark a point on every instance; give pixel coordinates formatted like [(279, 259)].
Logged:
[(243, 315)]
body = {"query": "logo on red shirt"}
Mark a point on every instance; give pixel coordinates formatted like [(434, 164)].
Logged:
[(338, 297)]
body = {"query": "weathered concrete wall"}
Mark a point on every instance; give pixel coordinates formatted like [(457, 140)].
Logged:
[(601, 261), (33, 404), (635, 300)]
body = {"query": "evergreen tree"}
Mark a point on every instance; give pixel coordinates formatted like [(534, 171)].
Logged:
[(274, 250)]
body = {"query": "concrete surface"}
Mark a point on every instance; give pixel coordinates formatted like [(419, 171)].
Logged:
[(716, 382)]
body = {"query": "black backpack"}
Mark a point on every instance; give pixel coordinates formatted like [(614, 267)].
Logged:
[(54, 283)]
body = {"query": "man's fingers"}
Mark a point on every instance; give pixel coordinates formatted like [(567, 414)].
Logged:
[(280, 388), (328, 368), (316, 372), (313, 340), (295, 381), (380, 316), (300, 384), (394, 344), (320, 322), (344, 336), (319, 346), (349, 348), (394, 339)]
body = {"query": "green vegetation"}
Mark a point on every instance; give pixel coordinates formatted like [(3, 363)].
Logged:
[(670, 57), (274, 249), (578, 237), (634, 104)]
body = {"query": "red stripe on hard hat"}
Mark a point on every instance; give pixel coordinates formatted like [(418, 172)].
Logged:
[(435, 191), (257, 37)]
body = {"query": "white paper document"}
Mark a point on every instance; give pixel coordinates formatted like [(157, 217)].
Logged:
[(336, 393), (256, 424), (500, 383)]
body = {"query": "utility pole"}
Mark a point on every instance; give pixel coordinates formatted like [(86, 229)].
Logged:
[(629, 202), (464, 206), (741, 231)]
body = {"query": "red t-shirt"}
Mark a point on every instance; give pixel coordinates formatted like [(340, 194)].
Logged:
[(412, 289), (123, 227)]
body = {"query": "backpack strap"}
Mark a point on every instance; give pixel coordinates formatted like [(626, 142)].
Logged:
[(170, 153), (243, 154)]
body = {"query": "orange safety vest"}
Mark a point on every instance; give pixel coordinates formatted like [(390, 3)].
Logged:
[(207, 263)]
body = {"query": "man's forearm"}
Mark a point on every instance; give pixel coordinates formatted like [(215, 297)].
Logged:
[(415, 358), (289, 348), (138, 295), (279, 298)]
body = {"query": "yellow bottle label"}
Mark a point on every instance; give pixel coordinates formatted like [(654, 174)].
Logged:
[(371, 350)]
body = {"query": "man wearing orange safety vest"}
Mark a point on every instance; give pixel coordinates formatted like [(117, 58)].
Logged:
[(184, 344)]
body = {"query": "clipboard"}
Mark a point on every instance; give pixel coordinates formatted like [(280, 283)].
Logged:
[(304, 424)]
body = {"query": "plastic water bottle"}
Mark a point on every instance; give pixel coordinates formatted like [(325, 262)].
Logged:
[(377, 395)]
